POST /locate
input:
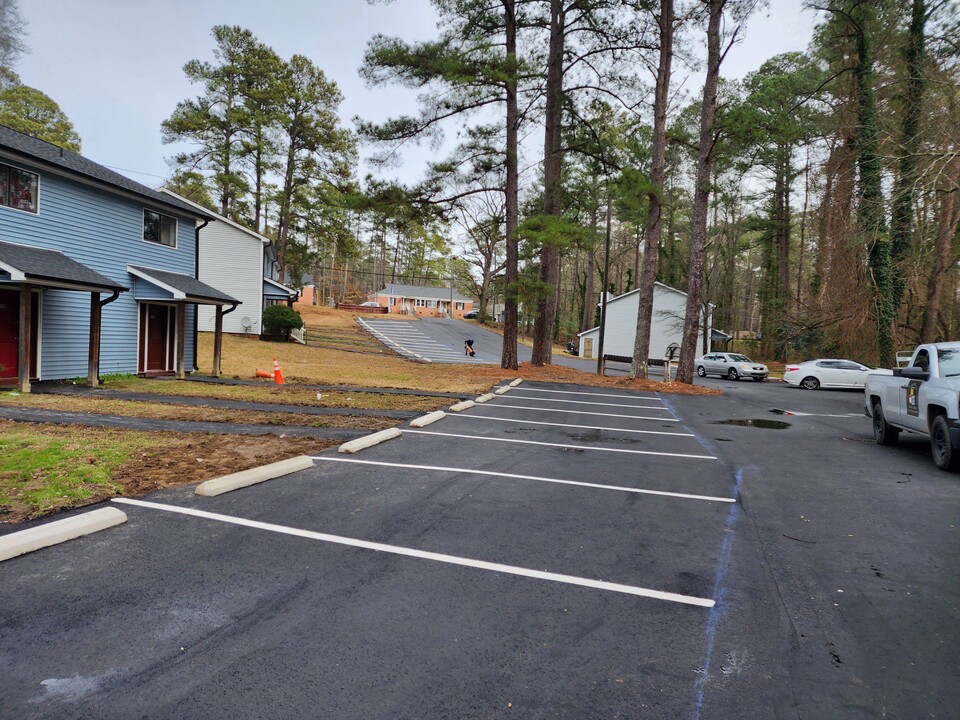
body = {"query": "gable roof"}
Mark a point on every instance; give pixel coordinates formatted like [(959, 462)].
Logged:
[(25, 263), (217, 216), (428, 292), (182, 287), (656, 283), (74, 164)]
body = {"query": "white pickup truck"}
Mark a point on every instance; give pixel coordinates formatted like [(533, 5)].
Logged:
[(922, 398)]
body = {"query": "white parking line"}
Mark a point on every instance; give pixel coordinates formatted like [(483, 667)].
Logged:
[(424, 555), (560, 445), (582, 427), (593, 394), (465, 471), (514, 396), (585, 412)]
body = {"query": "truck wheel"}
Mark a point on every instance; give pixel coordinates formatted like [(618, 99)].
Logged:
[(945, 456), (883, 433), (810, 383)]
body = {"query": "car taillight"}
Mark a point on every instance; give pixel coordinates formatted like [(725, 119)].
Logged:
[(792, 368)]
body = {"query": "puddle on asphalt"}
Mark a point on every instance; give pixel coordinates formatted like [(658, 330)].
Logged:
[(764, 424)]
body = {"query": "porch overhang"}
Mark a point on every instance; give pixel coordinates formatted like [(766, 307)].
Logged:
[(39, 267), (272, 290), (178, 287)]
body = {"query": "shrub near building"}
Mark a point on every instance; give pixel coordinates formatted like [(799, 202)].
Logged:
[(278, 321)]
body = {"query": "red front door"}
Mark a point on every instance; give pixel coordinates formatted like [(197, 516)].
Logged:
[(157, 328), (10, 334)]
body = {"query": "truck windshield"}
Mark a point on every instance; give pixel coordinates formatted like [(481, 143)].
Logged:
[(949, 362)]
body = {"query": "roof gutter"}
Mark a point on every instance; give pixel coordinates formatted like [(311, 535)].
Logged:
[(196, 274)]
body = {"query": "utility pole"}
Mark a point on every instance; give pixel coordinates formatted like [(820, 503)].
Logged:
[(601, 366)]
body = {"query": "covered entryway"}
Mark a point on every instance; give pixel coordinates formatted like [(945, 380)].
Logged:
[(24, 272), (163, 296), (158, 338), (10, 335)]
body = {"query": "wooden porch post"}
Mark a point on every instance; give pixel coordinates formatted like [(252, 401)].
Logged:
[(217, 341), (181, 340), (93, 356), (26, 341)]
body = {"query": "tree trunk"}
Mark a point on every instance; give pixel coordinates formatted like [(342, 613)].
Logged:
[(508, 359), (870, 215), (552, 187), (701, 197), (901, 225), (658, 158), (947, 231)]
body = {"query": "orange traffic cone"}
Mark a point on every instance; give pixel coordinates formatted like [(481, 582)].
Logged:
[(263, 374), (277, 375)]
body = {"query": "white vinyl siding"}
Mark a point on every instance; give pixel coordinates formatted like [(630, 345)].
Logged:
[(666, 326), (231, 260)]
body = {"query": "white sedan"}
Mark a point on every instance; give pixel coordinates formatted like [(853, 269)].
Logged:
[(827, 372), (730, 365)]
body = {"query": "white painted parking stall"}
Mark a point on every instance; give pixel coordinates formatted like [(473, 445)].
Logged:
[(405, 338)]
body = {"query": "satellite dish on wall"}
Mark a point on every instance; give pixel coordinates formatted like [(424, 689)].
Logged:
[(247, 324)]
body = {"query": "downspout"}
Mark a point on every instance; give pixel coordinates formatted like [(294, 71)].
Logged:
[(196, 274), (113, 296)]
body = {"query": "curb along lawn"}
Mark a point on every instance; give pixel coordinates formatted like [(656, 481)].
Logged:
[(46, 468)]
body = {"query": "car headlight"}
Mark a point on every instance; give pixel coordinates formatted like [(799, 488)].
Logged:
[(745, 366)]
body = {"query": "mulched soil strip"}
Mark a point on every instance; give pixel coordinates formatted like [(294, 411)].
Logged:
[(340, 388), (86, 391), (57, 417)]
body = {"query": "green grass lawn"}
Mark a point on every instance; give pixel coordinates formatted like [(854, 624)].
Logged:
[(42, 468)]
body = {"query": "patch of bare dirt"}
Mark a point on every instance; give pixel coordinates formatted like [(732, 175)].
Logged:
[(196, 458)]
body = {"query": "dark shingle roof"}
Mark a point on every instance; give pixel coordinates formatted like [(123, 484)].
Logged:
[(74, 163), (188, 285), (40, 264)]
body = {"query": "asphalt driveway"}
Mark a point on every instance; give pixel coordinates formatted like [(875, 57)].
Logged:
[(558, 552)]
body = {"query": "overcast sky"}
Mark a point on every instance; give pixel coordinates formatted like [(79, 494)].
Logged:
[(115, 66)]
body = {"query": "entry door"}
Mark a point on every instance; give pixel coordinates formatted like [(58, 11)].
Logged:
[(10, 334), (157, 335)]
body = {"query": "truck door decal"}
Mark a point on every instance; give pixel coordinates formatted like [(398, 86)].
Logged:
[(913, 406)]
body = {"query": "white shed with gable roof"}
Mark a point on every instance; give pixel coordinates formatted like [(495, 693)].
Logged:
[(666, 324)]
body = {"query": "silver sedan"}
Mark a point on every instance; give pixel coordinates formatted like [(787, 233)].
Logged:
[(730, 365)]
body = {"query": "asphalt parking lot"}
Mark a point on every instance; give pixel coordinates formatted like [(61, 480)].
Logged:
[(557, 552)]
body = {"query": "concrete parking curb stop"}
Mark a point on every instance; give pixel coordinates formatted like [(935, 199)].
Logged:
[(465, 405), (58, 531), (369, 440), (502, 390), (483, 398), (514, 383), (245, 478), (424, 420)]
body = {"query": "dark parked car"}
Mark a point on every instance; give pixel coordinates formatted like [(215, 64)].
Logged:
[(471, 315)]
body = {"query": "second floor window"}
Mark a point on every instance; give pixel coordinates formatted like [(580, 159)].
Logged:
[(160, 229), (19, 189)]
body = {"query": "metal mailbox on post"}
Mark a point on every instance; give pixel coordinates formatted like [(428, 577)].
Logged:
[(673, 350)]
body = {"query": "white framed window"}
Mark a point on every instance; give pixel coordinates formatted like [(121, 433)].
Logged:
[(458, 306), (159, 229), (19, 189), (421, 302)]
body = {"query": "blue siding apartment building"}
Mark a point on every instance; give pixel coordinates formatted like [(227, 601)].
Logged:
[(97, 272)]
